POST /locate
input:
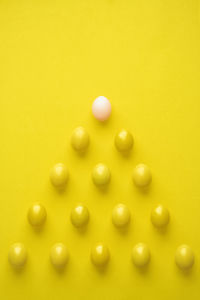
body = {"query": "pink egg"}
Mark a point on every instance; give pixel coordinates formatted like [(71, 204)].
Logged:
[(101, 108)]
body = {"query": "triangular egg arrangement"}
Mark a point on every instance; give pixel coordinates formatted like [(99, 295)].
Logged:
[(100, 253)]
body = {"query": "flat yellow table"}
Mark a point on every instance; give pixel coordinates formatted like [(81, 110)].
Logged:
[(56, 57)]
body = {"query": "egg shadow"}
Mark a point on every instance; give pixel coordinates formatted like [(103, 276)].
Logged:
[(99, 123), (143, 191), (60, 271), (80, 153), (61, 191), (185, 273), (123, 231), (102, 189), (102, 270), (143, 270), (124, 154), (82, 230), (163, 230), (18, 270)]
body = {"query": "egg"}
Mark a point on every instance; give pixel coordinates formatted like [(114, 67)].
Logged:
[(100, 255), (141, 255), (101, 175), (59, 175), (159, 216), (17, 255), (37, 215), (59, 255), (80, 139), (121, 215), (142, 176), (79, 216), (124, 140), (184, 257), (101, 108)]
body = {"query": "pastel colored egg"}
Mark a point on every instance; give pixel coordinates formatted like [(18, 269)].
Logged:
[(124, 140), (141, 255), (80, 139), (184, 257), (79, 216), (121, 215), (37, 215), (17, 255), (101, 175), (160, 216), (101, 108), (59, 255), (100, 255), (59, 175), (142, 176)]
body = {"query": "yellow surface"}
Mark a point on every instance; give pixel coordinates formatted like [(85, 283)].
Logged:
[(56, 57)]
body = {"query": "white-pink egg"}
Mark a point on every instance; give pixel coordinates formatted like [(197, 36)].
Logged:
[(101, 108)]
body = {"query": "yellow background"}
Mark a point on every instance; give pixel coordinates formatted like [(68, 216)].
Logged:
[(56, 57)]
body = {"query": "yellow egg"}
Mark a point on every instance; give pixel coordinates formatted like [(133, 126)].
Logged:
[(142, 175), (79, 216), (124, 140), (141, 255), (17, 255), (121, 215), (37, 215), (160, 216), (100, 255), (80, 139), (59, 255), (101, 175), (59, 175), (184, 257)]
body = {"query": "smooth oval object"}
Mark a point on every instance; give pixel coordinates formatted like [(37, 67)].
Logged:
[(80, 139), (59, 175), (141, 255), (17, 255), (160, 216), (101, 175), (37, 215), (79, 216), (124, 140), (101, 108), (142, 176), (59, 255), (121, 215), (184, 257), (100, 255)]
